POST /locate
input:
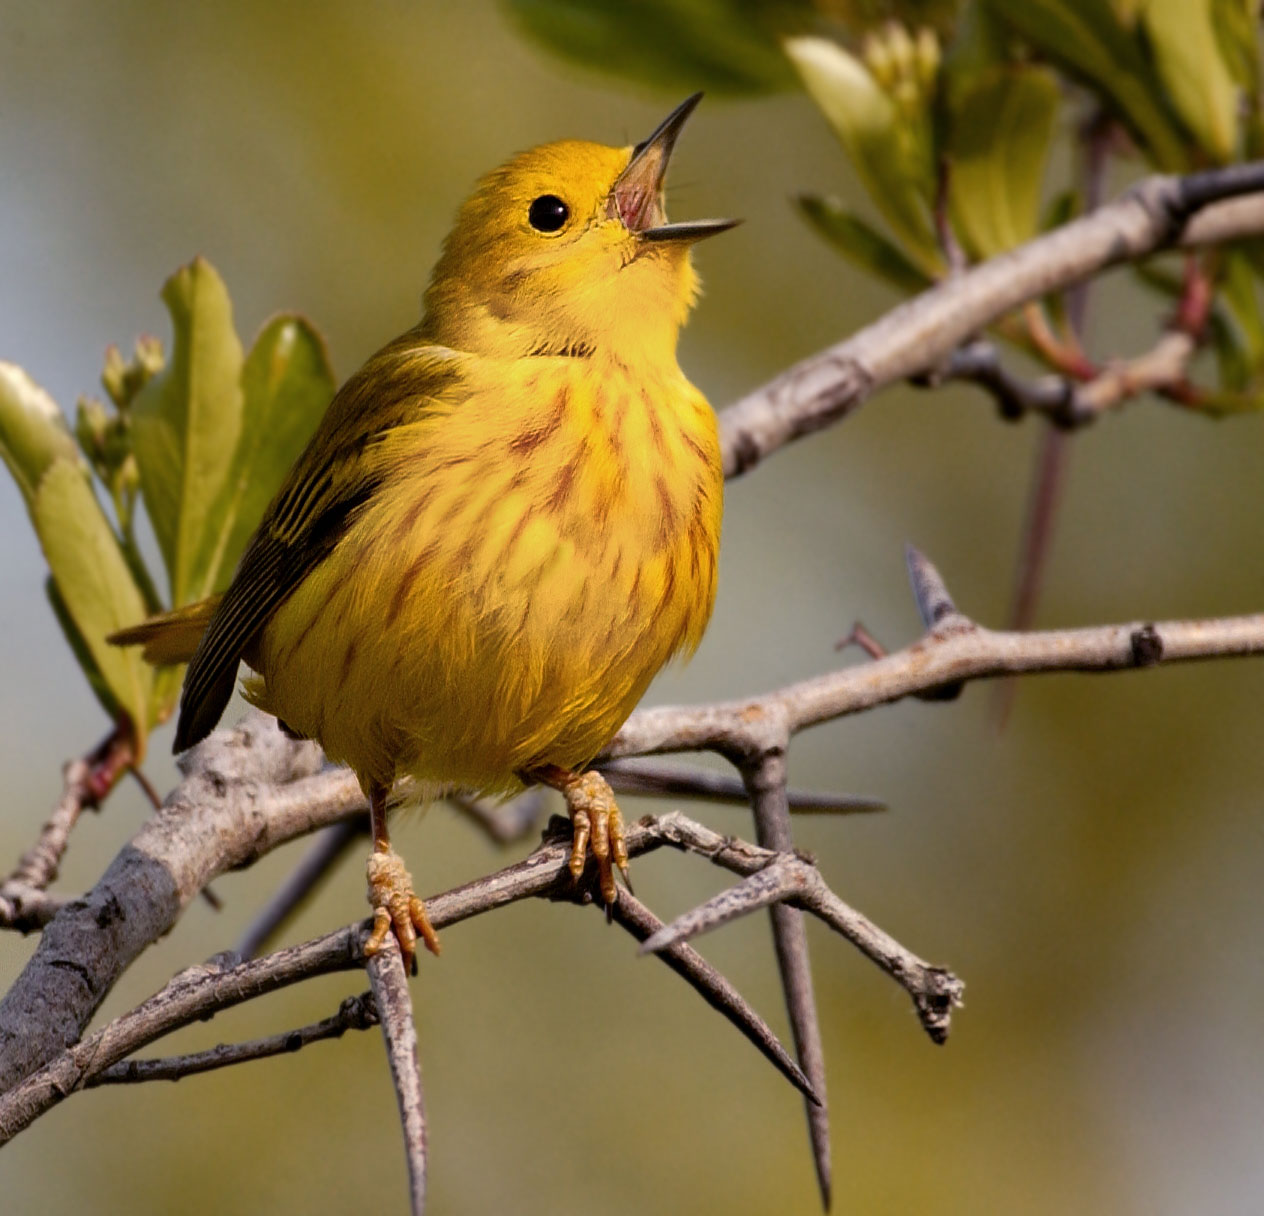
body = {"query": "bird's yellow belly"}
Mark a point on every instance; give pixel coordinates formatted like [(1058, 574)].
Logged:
[(469, 629)]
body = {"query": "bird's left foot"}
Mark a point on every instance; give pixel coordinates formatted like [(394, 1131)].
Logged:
[(596, 823), (396, 907)]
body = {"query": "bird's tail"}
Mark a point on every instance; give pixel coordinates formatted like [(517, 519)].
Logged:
[(171, 637)]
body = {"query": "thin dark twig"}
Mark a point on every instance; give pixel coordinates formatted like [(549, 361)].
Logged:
[(147, 786), (505, 822), (1098, 136), (355, 1013), (859, 636), (638, 920), (979, 362), (85, 783), (324, 853), (655, 779), (766, 782), (395, 1011)]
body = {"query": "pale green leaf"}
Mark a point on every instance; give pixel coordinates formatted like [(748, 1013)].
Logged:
[(286, 385), (1234, 23), (869, 126), (862, 244), (998, 144), (1187, 58), (1089, 39), (79, 648), (95, 587), (33, 431), (186, 423)]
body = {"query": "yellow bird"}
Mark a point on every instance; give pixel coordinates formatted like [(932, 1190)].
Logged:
[(506, 523)]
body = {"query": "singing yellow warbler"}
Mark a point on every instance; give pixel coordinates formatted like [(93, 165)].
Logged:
[(505, 524)]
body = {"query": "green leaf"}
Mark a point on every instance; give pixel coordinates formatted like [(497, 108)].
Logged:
[(728, 46), (287, 384), (875, 137), (1187, 58), (94, 586), (862, 244), (999, 142), (1234, 23), (186, 423), (79, 647), (1088, 38), (1237, 323), (33, 431)]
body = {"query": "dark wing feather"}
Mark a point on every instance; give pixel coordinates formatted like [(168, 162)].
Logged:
[(309, 516)]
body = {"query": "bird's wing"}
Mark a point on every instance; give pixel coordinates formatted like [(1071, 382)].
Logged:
[(333, 478)]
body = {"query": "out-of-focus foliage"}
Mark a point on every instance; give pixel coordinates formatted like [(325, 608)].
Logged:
[(960, 142), (878, 107), (948, 114), (726, 45), (205, 438), (729, 46)]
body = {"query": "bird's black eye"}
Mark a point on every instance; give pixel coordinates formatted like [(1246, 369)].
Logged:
[(548, 213)]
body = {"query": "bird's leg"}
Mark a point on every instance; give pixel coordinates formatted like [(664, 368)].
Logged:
[(597, 824), (395, 903)]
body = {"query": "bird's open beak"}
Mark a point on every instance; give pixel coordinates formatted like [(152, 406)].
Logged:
[(636, 198)]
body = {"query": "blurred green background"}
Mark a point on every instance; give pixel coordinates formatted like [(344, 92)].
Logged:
[(1092, 872)]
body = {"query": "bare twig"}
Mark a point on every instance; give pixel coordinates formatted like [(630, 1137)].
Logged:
[(1160, 369), (195, 993), (793, 879), (85, 782), (202, 991), (1068, 404), (355, 1013), (395, 1009), (972, 652), (1227, 221), (920, 334), (979, 362)]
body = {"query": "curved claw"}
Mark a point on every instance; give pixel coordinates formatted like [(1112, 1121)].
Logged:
[(396, 907), (598, 828)]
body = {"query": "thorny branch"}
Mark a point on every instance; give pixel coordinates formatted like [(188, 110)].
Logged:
[(201, 991), (249, 790)]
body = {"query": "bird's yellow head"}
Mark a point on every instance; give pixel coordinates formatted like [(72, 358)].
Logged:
[(566, 250)]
